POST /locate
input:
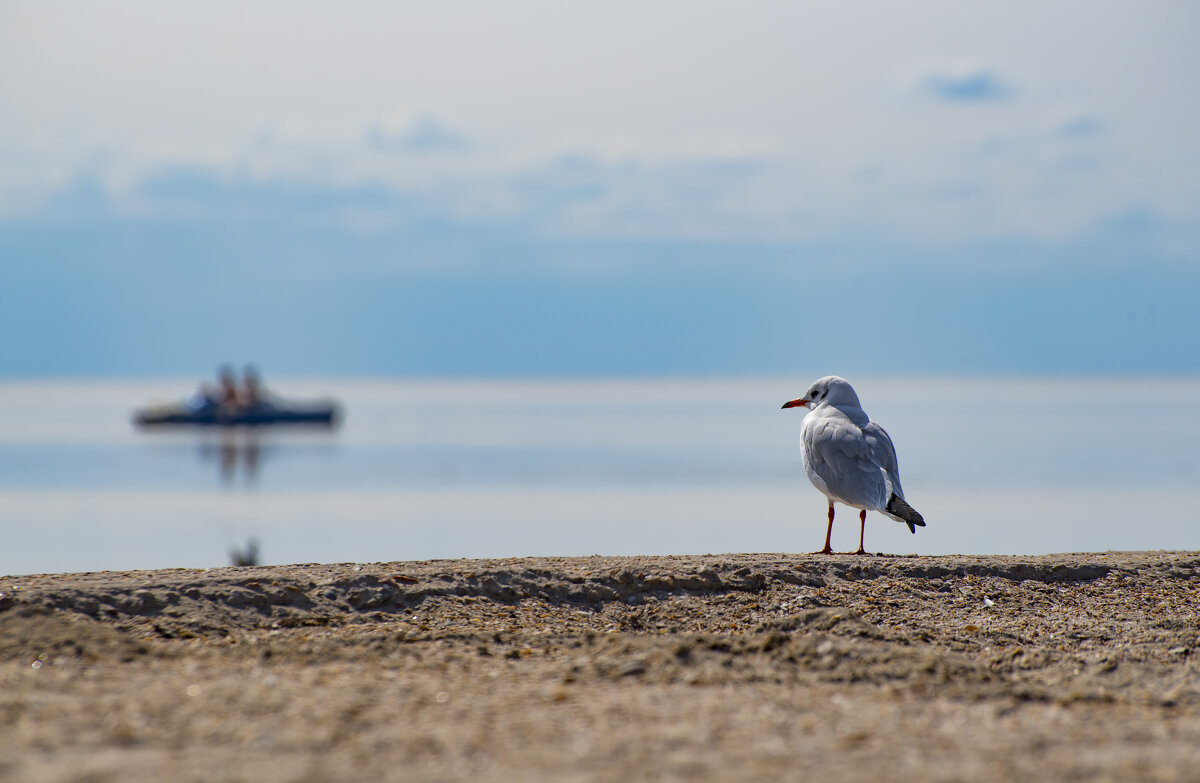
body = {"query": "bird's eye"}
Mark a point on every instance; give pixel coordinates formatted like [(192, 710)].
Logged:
[(814, 394)]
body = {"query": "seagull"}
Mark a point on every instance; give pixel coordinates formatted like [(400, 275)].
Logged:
[(849, 457)]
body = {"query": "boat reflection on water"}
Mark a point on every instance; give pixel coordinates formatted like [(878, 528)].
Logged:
[(235, 453)]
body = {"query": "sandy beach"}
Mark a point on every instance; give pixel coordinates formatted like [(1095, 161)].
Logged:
[(717, 667)]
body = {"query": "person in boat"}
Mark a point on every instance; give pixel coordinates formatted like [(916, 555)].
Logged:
[(206, 397), (231, 400), (253, 395), (228, 393)]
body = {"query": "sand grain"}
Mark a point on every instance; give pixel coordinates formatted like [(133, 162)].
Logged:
[(1064, 667)]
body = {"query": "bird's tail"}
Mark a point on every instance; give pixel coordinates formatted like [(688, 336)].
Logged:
[(900, 510)]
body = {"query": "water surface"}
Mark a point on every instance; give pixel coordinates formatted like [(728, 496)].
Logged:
[(427, 469)]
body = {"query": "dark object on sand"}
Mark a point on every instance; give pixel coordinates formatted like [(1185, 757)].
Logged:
[(247, 556), (323, 413)]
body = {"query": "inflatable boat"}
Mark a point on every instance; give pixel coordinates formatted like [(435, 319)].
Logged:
[(322, 413)]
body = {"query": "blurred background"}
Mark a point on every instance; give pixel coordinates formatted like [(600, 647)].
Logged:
[(574, 217)]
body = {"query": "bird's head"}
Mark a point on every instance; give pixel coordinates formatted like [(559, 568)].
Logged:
[(830, 389)]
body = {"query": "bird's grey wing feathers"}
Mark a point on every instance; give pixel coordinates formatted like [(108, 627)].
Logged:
[(842, 455), (881, 447), (884, 454)]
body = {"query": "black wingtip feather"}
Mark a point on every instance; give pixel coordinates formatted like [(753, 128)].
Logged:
[(897, 507)]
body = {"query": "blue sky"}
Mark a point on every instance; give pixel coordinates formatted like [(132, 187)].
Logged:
[(633, 189)]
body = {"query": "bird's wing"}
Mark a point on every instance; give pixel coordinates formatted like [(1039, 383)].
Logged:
[(845, 457), (883, 452)]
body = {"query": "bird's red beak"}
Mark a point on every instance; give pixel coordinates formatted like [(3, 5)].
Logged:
[(801, 403)]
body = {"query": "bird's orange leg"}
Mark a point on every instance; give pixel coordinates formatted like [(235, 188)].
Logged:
[(828, 550), (862, 528)]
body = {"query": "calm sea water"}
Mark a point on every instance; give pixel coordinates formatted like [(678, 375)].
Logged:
[(433, 469)]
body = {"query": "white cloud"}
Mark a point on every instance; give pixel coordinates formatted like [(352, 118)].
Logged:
[(423, 136), (1020, 182), (779, 120), (1075, 125), (964, 82)]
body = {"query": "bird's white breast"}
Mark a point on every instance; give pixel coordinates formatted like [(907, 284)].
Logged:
[(807, 434)]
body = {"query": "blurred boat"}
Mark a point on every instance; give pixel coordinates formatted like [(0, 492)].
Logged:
[(324, 413)]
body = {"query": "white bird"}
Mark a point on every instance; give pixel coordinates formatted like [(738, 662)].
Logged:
[(850, 458)]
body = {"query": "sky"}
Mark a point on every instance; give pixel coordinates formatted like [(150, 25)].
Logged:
[(650, 188)]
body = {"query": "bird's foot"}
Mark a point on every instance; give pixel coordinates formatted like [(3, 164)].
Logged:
[(826, 551), (860, 551)]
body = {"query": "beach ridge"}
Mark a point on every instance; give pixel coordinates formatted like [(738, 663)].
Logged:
[(706, 667)]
